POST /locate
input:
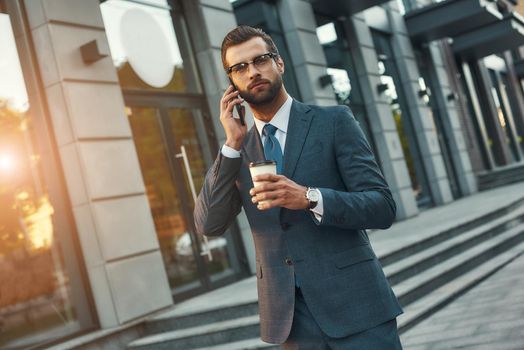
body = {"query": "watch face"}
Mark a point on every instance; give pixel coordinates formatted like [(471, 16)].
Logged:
[(313, 195)]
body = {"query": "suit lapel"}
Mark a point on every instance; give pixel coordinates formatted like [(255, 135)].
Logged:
[(297, 130), (252, 146)]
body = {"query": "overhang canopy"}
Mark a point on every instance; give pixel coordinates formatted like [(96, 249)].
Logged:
[(519, 68), (336, 8), (492, 38), (450, 18)]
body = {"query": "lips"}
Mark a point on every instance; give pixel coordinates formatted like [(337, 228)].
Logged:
[(257, 84)]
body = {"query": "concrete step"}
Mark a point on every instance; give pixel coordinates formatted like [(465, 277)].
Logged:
[(420, 285), (423, 260), (426, 306), (501, 177), (449, 262), (248, 344), (201, 336), (424, 243), (169, 322)]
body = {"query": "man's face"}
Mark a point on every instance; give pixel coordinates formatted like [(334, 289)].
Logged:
[(257, 85)]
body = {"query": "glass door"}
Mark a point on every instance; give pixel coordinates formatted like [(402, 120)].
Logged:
[(174, 156)]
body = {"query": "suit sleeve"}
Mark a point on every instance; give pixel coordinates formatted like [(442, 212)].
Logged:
[(367, 203), (219, 200)]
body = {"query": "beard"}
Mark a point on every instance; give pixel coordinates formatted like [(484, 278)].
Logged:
[(265, 96)]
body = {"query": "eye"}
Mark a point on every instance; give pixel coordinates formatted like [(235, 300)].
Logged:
[(260, 60), (238, 68)]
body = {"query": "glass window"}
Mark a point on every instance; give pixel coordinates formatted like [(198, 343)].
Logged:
[(35, 291), (144, 45)]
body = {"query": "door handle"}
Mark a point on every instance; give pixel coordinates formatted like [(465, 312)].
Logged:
[(183, 154)]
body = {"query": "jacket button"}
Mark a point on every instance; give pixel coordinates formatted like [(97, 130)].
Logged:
[(284, 226), (289, 261)]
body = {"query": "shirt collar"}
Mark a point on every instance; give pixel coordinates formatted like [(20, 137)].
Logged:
[(280, 119)]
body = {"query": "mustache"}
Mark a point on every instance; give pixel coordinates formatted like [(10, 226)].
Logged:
[(258, 82)]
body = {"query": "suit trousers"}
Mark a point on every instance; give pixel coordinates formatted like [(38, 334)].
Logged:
[(306, 334)]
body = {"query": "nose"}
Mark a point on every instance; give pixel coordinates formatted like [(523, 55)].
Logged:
[(253, 71)]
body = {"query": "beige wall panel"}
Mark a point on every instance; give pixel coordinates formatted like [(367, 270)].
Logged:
[(223, 4), (97, 110), (59, 115), (139, 285), (66, 42), (87, 235), (111, 168), (35, 13), (46, 56), (305, 48), (302, 16), (102, 296), (124, 226), (84, 12), (73, 171), (218, 23)]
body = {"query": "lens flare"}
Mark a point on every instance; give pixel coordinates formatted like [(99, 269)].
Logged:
[(7, 162)]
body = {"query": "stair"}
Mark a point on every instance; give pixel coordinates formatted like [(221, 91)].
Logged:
[(502, 176), (426, 275)]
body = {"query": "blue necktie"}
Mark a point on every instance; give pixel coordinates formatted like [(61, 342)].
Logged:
[(272, 149)]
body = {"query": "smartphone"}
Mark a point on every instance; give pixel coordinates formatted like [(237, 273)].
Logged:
[(240, 110)]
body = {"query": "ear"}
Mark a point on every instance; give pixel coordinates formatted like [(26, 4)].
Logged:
[(280, 65)]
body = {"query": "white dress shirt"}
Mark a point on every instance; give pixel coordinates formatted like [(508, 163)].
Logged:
[(281, 121)]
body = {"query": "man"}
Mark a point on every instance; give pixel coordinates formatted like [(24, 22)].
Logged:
[(320, 285)]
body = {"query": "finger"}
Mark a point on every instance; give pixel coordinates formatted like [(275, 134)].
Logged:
[(269, 195), (268, 177), (268, 186), (269, 204), (232, 104), (230, 96), (227, 97)]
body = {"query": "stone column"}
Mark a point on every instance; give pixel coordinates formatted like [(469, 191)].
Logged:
[(423, 124), (448, 111), (309, 62), (104, 182)]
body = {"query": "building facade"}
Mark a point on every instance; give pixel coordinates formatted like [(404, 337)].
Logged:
[(109, 122)]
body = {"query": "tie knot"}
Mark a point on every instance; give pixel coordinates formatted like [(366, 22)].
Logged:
[(269, 130)]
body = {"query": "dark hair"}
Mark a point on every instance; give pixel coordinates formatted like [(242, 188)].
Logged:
[(240, 35)]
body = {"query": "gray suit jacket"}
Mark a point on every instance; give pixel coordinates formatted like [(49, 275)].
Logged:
[(340, 277)]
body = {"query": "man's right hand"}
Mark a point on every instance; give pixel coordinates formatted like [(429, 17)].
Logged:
[(235, 131)]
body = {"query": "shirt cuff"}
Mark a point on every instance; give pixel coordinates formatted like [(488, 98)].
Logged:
[(318, 210), (230, 152)]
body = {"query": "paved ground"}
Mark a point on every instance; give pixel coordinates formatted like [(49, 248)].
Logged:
[(489, 316)]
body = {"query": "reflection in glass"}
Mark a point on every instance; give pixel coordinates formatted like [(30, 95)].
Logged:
[(35, 295), (341, 84), (183, 128), (35, 299), (176, 244), (143, 45)]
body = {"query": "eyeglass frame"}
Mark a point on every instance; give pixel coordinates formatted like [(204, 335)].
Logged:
[(272, 55)]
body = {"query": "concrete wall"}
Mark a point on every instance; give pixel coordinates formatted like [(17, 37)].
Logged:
[(99, 160)]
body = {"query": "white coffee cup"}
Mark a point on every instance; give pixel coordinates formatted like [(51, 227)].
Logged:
[(262, 167)]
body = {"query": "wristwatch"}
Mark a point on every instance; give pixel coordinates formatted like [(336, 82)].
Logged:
[(313, 196)]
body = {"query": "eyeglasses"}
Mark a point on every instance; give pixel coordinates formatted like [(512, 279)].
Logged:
[(259, 62)]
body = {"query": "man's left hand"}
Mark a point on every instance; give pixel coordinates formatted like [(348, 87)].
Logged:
[(278, 191)]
